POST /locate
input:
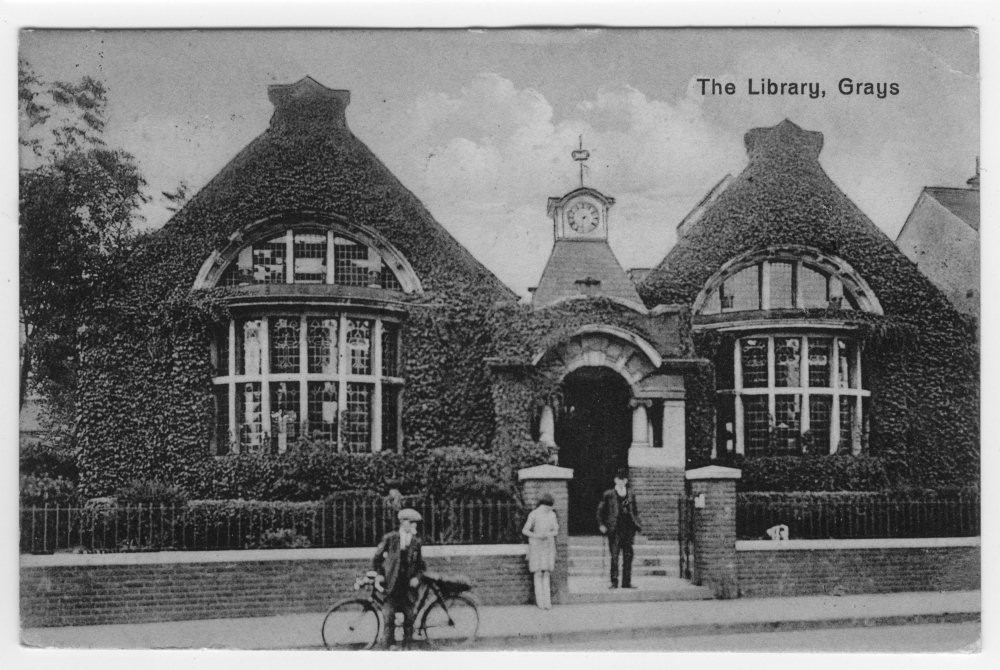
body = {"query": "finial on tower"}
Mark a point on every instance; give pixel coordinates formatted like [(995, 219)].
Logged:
[(581, 155)]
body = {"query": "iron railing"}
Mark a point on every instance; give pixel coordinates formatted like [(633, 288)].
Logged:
[(222, 525), (854, 516)]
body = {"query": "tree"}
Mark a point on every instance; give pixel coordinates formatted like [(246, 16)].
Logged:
[(78, 202)]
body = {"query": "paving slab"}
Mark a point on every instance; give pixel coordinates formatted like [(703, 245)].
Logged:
[(505, 627)]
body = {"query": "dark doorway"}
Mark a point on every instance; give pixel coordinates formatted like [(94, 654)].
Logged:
[(593, 431)]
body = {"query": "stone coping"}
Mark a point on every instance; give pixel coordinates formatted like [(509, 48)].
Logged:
[(246, 556), (842, 545)]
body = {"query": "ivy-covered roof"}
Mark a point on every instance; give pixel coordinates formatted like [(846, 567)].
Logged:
[(309, 161), (784, 197)]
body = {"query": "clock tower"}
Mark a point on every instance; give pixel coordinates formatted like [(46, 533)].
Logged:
[(581, 263)]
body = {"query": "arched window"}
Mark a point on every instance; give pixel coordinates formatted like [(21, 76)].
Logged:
[(788, 382), (311, 361), (789, 277)]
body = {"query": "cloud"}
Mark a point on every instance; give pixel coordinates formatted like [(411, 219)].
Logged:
[(486, 159)]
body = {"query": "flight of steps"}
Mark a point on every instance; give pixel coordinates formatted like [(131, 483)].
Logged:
[(654, 572)]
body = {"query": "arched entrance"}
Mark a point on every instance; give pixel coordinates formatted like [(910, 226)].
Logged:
[(593, 429)]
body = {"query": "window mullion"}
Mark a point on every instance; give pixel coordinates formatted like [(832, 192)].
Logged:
[(804, 423), (835, 409), (329, 257), (765, 285), (797, 285), (303, 373), (342, 363), (376, 418), (265, 384), (770, 383), (234, 442), (738, 397)]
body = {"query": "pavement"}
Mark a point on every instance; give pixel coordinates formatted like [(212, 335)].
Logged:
[(523, 626)]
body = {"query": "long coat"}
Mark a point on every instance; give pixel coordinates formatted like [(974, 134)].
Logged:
[(607, 511), (543, 526), (386, 560)]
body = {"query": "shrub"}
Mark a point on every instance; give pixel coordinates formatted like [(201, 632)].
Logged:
[(39, 491), (836, 472), (43, 459), (150, 492), (281, 538)]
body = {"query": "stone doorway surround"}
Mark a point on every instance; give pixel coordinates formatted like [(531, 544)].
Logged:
[(656, 462)]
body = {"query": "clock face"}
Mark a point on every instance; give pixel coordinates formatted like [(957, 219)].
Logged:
[(583, 217)]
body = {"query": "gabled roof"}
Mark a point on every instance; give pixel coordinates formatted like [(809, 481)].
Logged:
[(962, 202), (583, 268)]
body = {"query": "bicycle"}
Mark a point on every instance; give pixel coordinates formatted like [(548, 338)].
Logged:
[(446, 615)]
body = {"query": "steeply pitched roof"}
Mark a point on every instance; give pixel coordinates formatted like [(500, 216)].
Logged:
[(782, 197), (583, 268), (308, 160), (962, 202)]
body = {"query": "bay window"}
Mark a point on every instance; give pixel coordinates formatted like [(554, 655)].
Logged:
[(786, 394), (328, 377)]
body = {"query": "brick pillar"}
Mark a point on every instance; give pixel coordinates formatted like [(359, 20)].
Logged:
[(552, 479), (714, 490)]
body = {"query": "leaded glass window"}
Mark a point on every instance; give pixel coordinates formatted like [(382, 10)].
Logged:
[(795, 403), (357, 418), (290, 379), (323, 344), (359, 344), (269, 261), (310, 258), (284, 344), (305, 256)]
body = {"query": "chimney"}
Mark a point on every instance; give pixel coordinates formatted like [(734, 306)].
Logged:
[(974, 181), (307, 105), (785, 139)]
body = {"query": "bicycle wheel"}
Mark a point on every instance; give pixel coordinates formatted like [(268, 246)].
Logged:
[(451, 622), (351, 625)]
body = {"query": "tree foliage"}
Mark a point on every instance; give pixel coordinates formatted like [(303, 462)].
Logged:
[(78, 203)]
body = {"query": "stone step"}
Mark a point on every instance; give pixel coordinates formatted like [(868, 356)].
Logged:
[(643, 552), (591, 561), (595, 590), (636, 572)]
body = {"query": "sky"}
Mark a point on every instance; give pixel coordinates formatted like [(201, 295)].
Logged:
[(480, 124)]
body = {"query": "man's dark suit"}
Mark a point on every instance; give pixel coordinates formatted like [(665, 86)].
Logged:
[(398, 568), (621, 525)]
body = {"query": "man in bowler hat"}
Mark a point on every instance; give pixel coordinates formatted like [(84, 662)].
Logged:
[(399, 560), (618, 518)]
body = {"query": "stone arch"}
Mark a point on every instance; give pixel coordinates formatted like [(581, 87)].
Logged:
[(600, 346)]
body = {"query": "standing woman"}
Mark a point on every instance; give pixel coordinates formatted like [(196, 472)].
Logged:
[(541, 528)]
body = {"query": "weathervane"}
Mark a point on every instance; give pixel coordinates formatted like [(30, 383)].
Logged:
[(580, 156)]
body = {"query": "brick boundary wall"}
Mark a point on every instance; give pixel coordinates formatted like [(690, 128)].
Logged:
[(92, 589), (835, 567), (657, 491)]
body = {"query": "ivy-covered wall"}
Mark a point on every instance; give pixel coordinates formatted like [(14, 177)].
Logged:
[(520, 390), (146, 406), (921, 360)]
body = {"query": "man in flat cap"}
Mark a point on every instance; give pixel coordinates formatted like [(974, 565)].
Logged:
[(399, 560), (618, 518)]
